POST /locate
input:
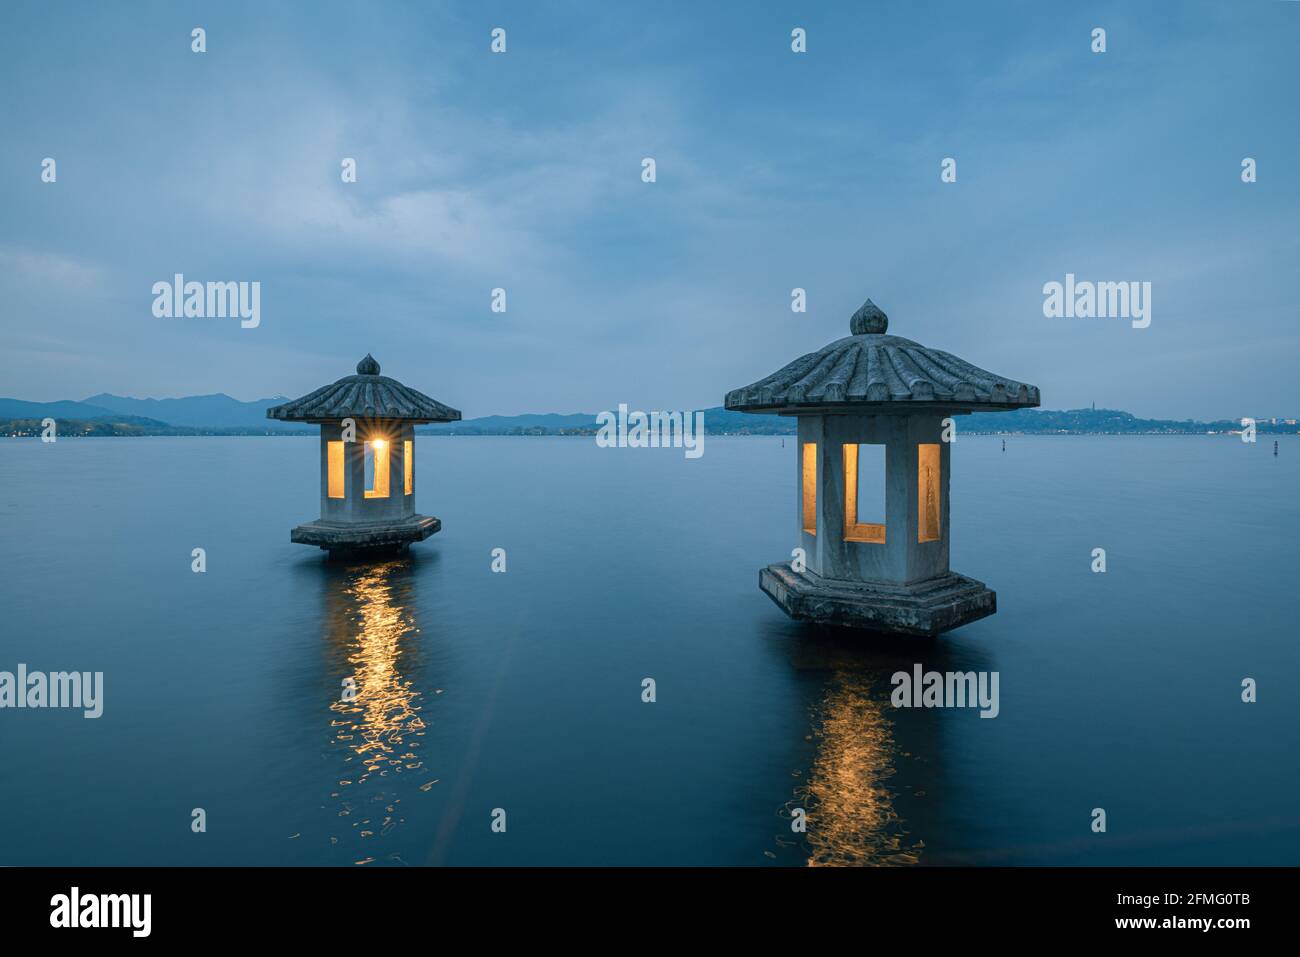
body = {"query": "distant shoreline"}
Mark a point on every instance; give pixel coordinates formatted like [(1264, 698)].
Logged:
[(236, 418), (239, 433)]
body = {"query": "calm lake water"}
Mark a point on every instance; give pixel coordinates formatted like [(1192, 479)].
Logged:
[(522, 690)]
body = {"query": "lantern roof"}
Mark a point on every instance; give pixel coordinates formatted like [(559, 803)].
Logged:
[(871, 373), (366, 395)]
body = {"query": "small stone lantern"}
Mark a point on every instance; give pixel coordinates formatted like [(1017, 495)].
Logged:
[(367, 462), (876, 400)]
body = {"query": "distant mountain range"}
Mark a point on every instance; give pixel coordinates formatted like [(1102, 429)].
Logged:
[(188, 415), (195, 411), (219, 414)]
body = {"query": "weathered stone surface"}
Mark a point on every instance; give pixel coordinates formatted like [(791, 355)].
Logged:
[(925, 609), (357, 537), (366, 395), (871, 373), (870, 319)]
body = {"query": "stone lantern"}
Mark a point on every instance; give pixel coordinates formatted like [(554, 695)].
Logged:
[(871, 410), (367, 462)]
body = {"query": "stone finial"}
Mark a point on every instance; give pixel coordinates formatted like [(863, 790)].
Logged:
[(869, 320), (368, 366)]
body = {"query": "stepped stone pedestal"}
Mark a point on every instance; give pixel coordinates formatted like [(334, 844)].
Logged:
[(353, 540), (926, 608)]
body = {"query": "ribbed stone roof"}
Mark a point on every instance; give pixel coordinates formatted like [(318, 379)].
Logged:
[(870, 372), (366, 395)]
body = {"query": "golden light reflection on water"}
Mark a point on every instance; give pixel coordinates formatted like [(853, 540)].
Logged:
[(378, 729), (851, 816)]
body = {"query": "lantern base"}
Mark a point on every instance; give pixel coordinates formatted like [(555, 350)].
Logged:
[(925, 608), (362, 540)]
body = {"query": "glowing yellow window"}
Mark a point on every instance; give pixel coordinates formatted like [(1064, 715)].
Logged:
[(810, 487), (334, 462), (864, 493), (408, 450), (927, 493), (377, 469)]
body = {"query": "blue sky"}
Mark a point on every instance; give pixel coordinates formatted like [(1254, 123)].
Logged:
[(522, 171)]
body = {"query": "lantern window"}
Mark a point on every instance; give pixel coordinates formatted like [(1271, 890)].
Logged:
[(334, 466), (927, 492), (809, 500), (377, 452), (864, 493)]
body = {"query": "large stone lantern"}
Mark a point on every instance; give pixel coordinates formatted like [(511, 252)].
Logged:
[(367, 462), (871, 410)]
